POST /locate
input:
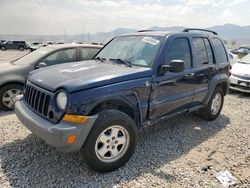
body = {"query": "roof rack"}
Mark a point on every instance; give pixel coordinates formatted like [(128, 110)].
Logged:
[(195, 29), (146, 30)]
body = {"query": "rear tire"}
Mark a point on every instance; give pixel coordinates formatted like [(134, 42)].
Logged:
[(214, 106), (8, 94), (3, 48), (20, 48), (111, 142)]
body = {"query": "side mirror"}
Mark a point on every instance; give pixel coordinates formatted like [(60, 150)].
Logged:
[(173, 66), (41, 65)]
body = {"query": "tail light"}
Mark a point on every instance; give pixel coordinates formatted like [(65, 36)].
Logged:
[(229, 70)]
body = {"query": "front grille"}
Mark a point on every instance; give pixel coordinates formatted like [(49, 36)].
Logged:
[(38, 99)]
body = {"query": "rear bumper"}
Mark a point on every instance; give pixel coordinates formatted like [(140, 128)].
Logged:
[(54, 134), (239, 84)]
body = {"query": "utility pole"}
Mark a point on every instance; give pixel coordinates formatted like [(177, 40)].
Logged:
[(82, 32), (64, 35)]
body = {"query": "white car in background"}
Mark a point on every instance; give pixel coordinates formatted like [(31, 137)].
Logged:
[(240, 78), (233, 58)]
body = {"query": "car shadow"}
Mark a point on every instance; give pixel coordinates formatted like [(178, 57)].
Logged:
[(238, 93), (31, 162), (5, 113)]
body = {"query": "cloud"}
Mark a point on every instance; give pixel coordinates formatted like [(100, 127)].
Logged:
[(53, 16)]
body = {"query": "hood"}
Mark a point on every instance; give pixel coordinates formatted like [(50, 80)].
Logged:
[(9, 67), (241, 69), (85, 75)]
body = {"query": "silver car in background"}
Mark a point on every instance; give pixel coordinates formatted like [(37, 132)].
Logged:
[(240, 78), (13, 74)]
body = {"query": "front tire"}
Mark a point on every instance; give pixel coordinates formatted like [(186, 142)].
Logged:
[(8, 94), (214, 106), (111, 142)]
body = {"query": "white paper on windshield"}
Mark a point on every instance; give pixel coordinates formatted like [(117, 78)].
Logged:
[(150, 40)]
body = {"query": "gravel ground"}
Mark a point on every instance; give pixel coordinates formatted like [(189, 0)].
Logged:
[(184, 151)]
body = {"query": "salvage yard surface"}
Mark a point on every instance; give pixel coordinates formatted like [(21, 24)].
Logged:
[(183, 151)]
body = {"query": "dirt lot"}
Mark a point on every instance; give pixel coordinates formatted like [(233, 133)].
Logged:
[(184, 151)]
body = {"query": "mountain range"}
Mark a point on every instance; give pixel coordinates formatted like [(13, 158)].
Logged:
[(230, 32)]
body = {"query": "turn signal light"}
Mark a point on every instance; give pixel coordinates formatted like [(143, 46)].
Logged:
[(75, 119), (71, 139)]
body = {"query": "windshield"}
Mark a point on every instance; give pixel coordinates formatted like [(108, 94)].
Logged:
[(33, 56), (245, 60), (137, 50)]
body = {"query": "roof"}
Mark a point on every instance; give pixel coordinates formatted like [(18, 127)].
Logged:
[(166, 33), (59, 46)]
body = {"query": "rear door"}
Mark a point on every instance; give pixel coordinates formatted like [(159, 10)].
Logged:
[(173, 92), (204, 65)]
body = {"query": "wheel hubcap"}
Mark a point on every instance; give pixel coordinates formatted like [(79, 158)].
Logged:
[(216, 103), (9, 97), (112, 144)]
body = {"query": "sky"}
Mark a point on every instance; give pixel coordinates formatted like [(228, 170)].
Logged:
[(53, 17)]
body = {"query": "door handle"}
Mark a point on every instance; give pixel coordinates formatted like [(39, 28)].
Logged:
[(190, 75)]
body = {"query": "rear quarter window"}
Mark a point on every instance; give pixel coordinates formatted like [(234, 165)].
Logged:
[(220, 51)]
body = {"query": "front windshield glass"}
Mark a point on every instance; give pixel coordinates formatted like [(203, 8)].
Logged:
[(137, 50), (33, 56), (245, 60)]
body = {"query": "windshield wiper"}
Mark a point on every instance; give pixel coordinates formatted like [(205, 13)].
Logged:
[(99, 58), (122, 61)]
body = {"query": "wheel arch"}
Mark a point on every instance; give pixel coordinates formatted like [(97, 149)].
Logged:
[(129, 105), (218, 81)]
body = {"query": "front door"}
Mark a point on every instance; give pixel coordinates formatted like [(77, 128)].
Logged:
[(173, 92)]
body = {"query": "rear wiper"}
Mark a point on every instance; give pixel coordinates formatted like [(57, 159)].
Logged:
[(99, 58), (122, 61)]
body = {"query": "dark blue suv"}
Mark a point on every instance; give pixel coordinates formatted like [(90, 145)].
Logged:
[(97, 106)]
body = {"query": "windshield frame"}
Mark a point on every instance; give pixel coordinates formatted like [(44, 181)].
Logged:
[(151, 64), (36, 60)]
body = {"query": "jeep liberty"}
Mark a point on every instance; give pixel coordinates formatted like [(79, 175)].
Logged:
[(136, 80)]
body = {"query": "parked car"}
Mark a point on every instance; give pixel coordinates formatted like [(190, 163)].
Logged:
[(17, 45), (13, 74), (136, 80), (240, 78), (36, 45)]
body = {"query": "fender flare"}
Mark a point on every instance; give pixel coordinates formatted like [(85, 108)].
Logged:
[(215, 81), (130, 98)]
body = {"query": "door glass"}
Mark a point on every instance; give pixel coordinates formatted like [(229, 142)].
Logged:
[(221, 54), (61, 56), (200, 53), (209, 51), (179, 50), (88, 53)]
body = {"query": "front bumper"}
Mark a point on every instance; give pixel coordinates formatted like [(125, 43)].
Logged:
[(239, 84), (54, 134)]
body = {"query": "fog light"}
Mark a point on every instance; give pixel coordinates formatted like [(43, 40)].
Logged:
[(75, 118), (71, 139)]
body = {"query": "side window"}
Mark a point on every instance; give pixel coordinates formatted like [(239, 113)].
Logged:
[(221, 54), (179, 50), (209, 51), (61, 56), (88, 53), (200, 53)]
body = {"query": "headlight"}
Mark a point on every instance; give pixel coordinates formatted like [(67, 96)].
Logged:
[(61, 100)]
